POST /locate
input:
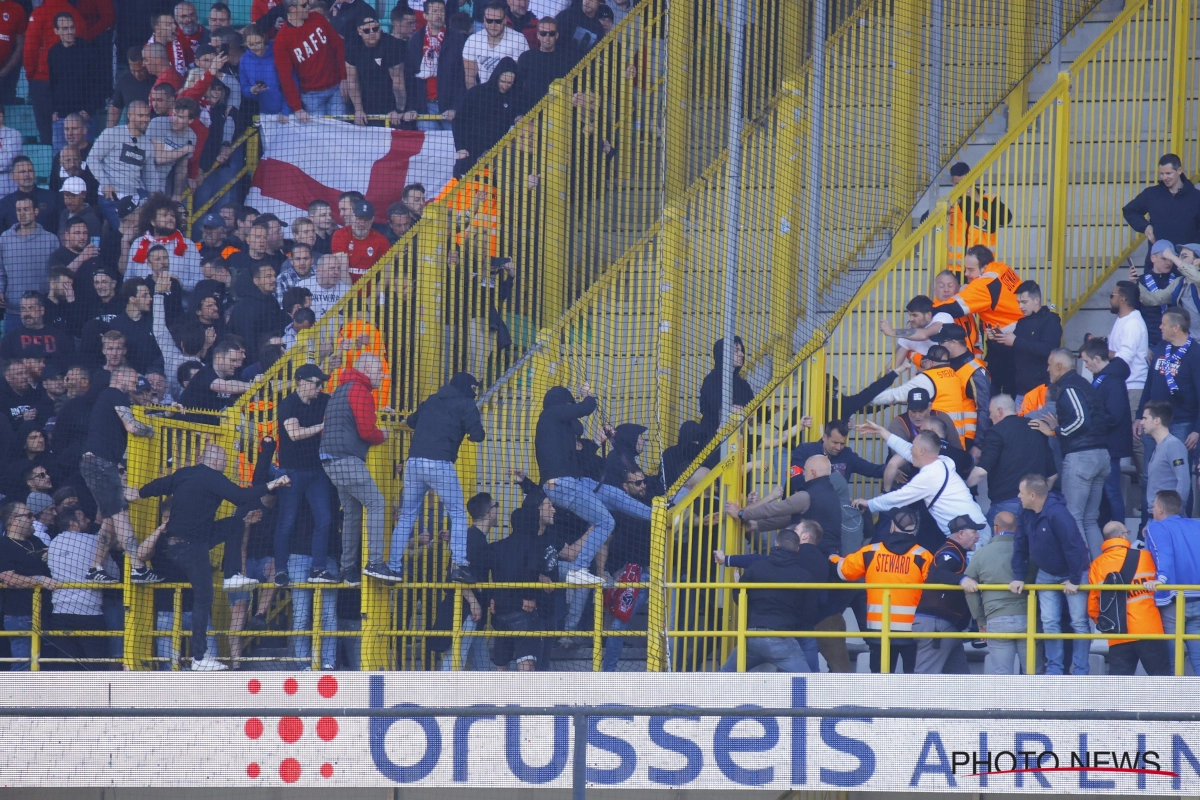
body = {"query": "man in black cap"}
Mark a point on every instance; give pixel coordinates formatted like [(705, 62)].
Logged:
[(974, 377), (301, 423), (276, 244), (212, 237), (943, 610), (941, 384), (919, 410), (359, 240), (375, 72)]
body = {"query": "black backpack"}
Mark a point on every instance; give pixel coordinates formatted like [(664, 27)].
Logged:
[(1112, 617)]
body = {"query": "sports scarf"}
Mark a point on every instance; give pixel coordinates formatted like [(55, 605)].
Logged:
[(175, 243), (1151, 284), (622, 602), (1169, 363)]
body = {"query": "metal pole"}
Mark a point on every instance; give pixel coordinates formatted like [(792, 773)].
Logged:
[(733, 203), (933, 158), (579, 760), (816, 132)]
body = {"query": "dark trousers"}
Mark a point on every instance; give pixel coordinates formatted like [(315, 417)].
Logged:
[(314, 487), (906, 648), (43, 110), (1002, 364), (1154, 655), (79, 646), (193, 559)]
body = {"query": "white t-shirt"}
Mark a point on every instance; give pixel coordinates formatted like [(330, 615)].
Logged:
[(1130, 341), (487, 57), (323, 299), (923, 347)]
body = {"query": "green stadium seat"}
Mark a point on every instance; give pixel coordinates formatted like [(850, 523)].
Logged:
[(42, 155), (240, 11), (21, 119)]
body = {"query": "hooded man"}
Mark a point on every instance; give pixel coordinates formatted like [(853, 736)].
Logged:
[(679, 456), (629, 440), (710, 391), (487, 113), (439, 425), (566, 485)]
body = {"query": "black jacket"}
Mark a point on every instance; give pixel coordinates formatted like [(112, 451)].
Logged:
[(825, 508), (1175, 217), (196, 494), (1082, 419), (485, 115), (537, 70), (710, 390), (1036, 335), (1186, 399), (441, 422), (451, 79), (142, 348), (679, 456), (949, 566), (1011, 450), (577, 30), (254, 314), (623, 456), (517, 558), (1110, 384), (13, 404), (554, 440), (781, 609)]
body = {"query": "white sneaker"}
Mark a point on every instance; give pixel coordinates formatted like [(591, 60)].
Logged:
[(582, 576), (208, 664), (239, 582)]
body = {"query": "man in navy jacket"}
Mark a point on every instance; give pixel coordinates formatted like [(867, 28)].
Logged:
[(1108, 379)]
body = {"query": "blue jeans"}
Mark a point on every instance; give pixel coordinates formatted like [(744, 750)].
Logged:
[(421, 475), (21, 646), (782, 651), (302, 612), (433, 124), (114, 620), (350, 647), (615, 645), (313, 486), (1191, 624), (473, 654), (577, 496), (327, 102), (812, 652), (1112, 490), (255, 568), (1050, 606), (165, 621), (1011, 505)]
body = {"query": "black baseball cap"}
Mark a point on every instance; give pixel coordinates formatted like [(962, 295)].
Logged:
[(964, 522), (310, 372), (364, 210), (949, 332), (959, 169), (918, 399), (211, 220), (265, 218)]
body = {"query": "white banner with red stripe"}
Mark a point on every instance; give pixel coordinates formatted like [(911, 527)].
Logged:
[(321, 159)]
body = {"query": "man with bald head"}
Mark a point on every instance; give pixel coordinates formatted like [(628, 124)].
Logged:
[(197, 492), (818, 501), (1080, 427), (998, 611), (158, 63)]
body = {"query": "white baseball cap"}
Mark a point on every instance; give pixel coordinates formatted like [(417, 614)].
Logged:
[(74, 185)]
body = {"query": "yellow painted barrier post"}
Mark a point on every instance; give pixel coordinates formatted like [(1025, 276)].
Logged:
[(1031, 619), (456, 631), (906, 92), (785, 297), (176, 629), (941, 238), (1180, 608), (816, 390), (656, 603), (555, 207), (743, 617), (885, 641), (431, 296), (35, 635), (597, 628), (1019, 13), (1059, 182), (672, 257), (1181, 24), (315, 656), (678, 108)]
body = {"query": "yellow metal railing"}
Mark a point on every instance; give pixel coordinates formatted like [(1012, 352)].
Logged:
[(1065, 169)]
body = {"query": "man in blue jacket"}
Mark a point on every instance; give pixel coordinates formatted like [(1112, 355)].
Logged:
[(1108, 379), (1174, 541), (439, 425), (842, 459), (1047, 533)]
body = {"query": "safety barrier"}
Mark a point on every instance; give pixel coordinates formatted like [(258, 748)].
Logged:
[(887, 637), (1065, 169)]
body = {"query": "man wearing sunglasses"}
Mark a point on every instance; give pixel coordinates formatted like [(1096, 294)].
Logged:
[(348, 16), (484, 50), (375, 72), (537, 69)]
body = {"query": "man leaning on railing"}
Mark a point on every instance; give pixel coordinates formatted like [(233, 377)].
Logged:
[(1174, 541)]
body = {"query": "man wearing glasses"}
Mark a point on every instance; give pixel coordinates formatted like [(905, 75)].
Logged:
[(375, 72), (537, 69), (484, 50), (310, 59)]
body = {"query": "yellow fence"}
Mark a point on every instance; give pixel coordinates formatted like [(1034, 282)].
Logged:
[(1065, 170)]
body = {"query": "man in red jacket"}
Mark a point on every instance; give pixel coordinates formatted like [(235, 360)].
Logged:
[(311, 60), (361, 243), (92, 17)]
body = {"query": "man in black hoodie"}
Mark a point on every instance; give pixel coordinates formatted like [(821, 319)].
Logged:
[(1108, 378), (519, 558), (679, 456), (257, 311), (778, 609), (566, 486), (439, 425), (711, 413), (487, 113), (946, 610)]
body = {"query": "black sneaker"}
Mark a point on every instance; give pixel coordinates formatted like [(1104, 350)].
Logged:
[(97, 575), (460, 574), (281, 579), (380, 570), (257, 623), (145, 575), (350, 578), (321, 576)]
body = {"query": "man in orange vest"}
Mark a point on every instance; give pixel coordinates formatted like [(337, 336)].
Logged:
[(897, 559), (973, 220), (973, 375), (944, 388), (1140, 613), (991, 292)]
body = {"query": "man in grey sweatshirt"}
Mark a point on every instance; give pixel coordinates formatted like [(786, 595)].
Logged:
[(24, 249), (998, 611), (120, 159), (1168, 465)]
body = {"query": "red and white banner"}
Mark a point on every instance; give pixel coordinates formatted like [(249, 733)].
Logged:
[(323, 158)]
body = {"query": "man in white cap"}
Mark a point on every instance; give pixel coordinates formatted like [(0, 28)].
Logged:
[(75, 205)]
